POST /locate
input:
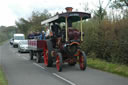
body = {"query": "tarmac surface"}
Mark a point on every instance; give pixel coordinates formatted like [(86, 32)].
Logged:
[(19, 70)]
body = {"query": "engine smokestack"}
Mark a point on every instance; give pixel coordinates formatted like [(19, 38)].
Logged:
[(69, 9)]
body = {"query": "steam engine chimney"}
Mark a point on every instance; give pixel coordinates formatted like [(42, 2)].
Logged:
[(69, 9)]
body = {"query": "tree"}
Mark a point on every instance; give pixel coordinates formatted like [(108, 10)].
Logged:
[(119, 4), (33, 23), (23, 25), (36, 19), (6, 32), (126, 2), (101, 12)]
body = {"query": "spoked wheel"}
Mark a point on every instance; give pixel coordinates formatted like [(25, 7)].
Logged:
[(59, 62), (47, 54), (38, 59), (82, 61), (31, 55)]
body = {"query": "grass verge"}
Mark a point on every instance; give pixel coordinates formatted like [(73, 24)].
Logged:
[(3, 81), (108, 67), (2, 42)]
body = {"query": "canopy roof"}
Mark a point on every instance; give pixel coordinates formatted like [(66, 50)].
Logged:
[(73, 16)]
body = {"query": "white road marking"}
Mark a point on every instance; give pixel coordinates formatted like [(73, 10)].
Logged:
[(25, 58), (63, 79), (18, 54), (38, 65)]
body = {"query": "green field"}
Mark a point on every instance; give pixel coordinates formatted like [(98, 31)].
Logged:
[(108, 67)]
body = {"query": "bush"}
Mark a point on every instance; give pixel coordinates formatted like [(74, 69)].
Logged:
[(106, 40)]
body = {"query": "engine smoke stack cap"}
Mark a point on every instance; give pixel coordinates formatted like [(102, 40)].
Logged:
[(69, 9)]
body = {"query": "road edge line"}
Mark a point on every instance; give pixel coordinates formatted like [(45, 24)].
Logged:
[(63, 79), (25, 58), (38, 65)]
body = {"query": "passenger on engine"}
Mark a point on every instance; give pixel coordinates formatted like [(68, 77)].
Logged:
[(47, 35), (37, 35), (55, 29)]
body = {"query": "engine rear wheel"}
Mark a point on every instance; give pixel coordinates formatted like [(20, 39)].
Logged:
[(82, 61), (47, 54), (59, 62)]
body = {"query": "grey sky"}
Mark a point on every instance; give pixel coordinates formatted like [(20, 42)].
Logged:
[(12, 10)]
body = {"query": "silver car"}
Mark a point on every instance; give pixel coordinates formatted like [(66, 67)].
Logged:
[(23, 46)]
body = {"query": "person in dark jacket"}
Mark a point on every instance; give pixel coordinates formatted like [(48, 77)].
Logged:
[(55, 29), (31, 35)]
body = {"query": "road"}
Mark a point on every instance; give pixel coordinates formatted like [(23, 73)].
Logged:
[(19, 70)]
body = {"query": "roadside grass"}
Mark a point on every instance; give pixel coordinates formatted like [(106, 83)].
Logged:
[(3, 81), (2, 42), (108, 67)]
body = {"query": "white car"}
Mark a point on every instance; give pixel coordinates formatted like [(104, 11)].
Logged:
[(17, 39), (23, 46)]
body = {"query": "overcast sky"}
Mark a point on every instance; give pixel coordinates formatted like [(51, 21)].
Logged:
[(11, 10)]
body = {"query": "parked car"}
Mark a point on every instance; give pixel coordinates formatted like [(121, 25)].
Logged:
[(23, 46), (11, 41), (17, 39)]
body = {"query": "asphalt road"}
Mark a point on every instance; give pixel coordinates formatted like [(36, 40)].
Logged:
[(19, 70)]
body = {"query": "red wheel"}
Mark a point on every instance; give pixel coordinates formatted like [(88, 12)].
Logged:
[(82, 61), (59, 62), (47, 54), (46, 57)]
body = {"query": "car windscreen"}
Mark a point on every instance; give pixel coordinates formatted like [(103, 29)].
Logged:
[(19, 38)]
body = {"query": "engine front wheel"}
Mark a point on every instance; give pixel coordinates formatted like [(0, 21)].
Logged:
[(82, 61), (59, 62)]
